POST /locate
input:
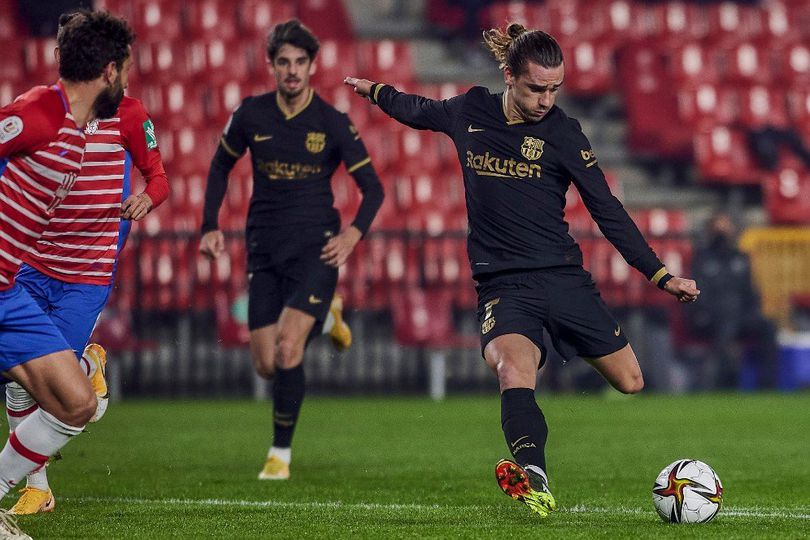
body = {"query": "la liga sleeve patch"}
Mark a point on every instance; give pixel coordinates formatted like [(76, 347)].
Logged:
[(9, 128), (149, 131)]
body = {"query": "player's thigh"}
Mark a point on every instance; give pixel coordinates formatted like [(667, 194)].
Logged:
[(511, 313), (580, 324), (515, 359), (76, 312), (620, 369), (309, 284)]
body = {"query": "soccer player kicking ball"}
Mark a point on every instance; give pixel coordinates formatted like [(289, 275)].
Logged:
[(42, 146), (69, 271), (519, 153), (294, 242)]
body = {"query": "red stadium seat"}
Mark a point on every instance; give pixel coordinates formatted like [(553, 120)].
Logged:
[(746, 62), (257, 17), (722, 156), (787, 196), (335, 60), (661, 222), (795, 68), (589, 66), (385, 60), (707, 104), (40, 62), (693, 61), (761, 105), (210, 19), (732, 21), (155, 20), (327, 18)]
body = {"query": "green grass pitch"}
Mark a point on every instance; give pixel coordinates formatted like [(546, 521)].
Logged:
[(409, 467)]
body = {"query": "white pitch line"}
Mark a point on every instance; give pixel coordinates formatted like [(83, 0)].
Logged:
[(579, 509)]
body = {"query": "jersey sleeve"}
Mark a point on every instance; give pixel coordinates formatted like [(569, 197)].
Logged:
[(358, 163), (417, 111), (232, 146), (140, 140), (581, 163), (234, 141), (29, 124)]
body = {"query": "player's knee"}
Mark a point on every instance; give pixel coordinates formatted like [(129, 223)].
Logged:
[(632, 384), (288, 351), (263, 364), (512, 375), (80, 412)]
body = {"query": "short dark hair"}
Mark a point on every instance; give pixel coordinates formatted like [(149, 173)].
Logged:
[(292, 32), (88, 41), (515, 46)]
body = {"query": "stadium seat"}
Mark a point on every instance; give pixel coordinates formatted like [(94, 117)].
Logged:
[(336, 59), (762, 105), (386, 60), (155, 20), (589, 66), (787, 196), (424, 318), (255, 18), (734, 21), (707, 104), (209, 19), (693, 62), (327, 18), (40, 63), (746, 62), (722, 156)]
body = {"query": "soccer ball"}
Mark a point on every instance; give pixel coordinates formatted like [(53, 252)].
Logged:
[(687, 491)]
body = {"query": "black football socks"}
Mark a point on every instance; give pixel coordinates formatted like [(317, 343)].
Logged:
[(288, 395), (524, 427)]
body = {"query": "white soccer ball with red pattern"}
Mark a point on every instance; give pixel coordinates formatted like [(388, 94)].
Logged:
[(687, 491)]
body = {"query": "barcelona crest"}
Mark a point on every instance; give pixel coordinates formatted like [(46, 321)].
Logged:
[(532, 148), (316, 141)]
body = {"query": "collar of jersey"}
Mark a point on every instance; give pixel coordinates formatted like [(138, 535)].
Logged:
[(299, 111)]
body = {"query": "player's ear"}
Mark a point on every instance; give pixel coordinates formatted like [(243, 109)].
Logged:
[(313, 67), (56, 54), (508, 76), (110, 73)]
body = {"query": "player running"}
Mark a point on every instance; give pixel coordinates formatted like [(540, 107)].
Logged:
[(69, 272), (519, 154), (42, 146), (294, 242)]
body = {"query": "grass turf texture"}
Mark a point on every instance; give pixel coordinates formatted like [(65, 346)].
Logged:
[(408, 467)]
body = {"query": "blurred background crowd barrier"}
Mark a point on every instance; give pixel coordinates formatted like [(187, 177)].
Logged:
[(693, 108)]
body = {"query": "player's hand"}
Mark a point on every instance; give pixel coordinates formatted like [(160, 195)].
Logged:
[(362, 87), (136, 207), (339, 247), (212, 244), (685, 289)]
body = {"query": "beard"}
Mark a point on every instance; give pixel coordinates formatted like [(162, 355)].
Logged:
[(107, 102)]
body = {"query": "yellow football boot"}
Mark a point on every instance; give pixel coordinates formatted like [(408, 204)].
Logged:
[(275, 468), (340, 333), (33, 501), (96, 354)]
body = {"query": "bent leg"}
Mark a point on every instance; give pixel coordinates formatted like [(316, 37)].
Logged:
[(263, 350), (620, 369)]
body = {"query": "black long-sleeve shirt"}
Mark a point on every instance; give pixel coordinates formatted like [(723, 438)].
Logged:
[(515, 178), (294, 157)]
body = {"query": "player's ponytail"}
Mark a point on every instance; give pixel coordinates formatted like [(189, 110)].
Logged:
[(513, 46)]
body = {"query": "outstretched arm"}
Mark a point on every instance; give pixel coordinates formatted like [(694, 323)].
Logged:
[(410, 109)]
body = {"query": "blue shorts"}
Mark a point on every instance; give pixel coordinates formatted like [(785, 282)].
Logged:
[(73, 307), (25, 331)]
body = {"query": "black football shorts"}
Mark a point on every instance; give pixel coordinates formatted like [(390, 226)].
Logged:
[(563, 300), (303, 282)]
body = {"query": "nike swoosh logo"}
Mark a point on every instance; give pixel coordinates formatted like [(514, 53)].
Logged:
[(471, 129), (514, 444), (617, 331), (262, 138), (314, 299)]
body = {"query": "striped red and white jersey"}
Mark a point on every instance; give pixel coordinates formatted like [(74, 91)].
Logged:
[(82, 241), (41, 150)]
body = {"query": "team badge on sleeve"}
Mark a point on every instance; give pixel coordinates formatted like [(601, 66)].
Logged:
[(149, 131), (9, 128)]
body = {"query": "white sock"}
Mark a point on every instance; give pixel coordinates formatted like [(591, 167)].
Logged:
[(328, 323), (284, 454), (538, 470), (19, 406), (29, 446)]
